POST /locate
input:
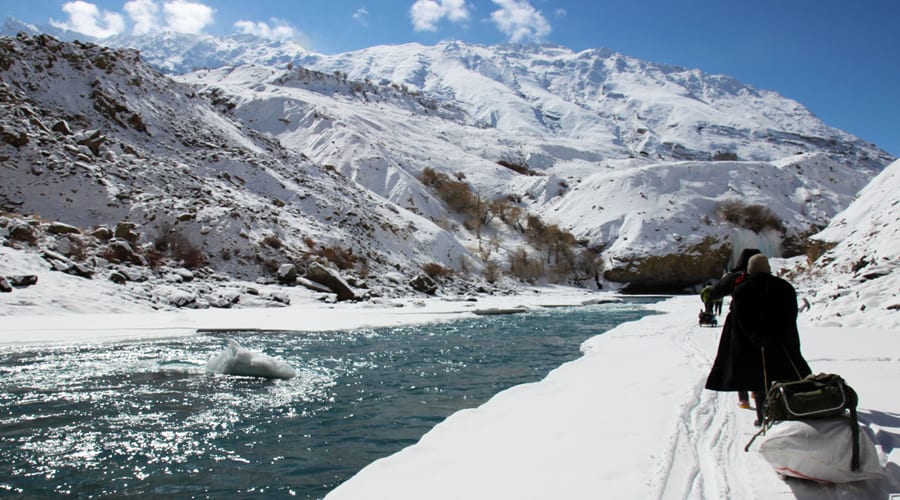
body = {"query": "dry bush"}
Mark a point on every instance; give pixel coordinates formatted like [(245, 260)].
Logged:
[(190, 256), (756, 218), (270, 266), (340, 257), (458, 196), (587, 266), (557, 243), (155, 259), (817, 248), (524, 267), (492, 272), (436, 271), (272, 241), (179, 247)]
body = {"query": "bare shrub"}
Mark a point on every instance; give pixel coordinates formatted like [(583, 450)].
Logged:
[(587, 266), (155, 259), (457, 195), (189, 255), (436, 271), (492, 272), (270, 266), (524, 267), (756, 218), (556, 243), (179, 247), (817, 248), (272, 241), (340, 257)]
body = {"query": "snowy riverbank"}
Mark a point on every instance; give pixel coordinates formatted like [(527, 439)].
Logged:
[(631, 419)]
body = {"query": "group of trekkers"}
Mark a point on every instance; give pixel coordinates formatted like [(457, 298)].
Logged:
[(760, 342)]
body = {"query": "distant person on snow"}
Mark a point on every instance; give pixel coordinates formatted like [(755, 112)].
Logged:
[(760, 342), (704, 296)]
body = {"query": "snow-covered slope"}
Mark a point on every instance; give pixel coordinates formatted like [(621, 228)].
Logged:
[(598, 104), (573, 173), (91, 136), (857, 281)]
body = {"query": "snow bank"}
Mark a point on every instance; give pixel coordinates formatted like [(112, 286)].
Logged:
[(631, 419), (235, 360)]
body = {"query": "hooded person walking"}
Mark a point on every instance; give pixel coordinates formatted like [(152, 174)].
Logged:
[(760, 343)]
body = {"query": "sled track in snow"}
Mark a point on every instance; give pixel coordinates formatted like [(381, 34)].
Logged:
[(697, 463)]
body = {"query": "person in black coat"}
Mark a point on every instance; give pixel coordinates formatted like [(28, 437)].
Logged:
[(724, 287), (760, 343)]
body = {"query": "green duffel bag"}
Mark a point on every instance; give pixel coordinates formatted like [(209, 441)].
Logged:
[(815, 396)]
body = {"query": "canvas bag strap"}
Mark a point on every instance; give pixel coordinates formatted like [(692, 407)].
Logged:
[(854, 430), (794, 366)]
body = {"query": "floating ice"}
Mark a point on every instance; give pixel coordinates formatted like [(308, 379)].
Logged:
[(235, 360)]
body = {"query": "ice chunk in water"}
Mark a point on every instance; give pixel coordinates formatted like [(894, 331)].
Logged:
[(235, 360)]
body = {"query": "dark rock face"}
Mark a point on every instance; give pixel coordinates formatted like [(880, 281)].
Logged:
[(121, 251), (7, 283), (287, 274), (424, 284), (23, 280), (21, 231), (331, 279), (671, 273), (62, 228)]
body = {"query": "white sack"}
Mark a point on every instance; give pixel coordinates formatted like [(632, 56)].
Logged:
[(819, 450)]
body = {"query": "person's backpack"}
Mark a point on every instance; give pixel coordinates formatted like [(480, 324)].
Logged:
[(815, 396)]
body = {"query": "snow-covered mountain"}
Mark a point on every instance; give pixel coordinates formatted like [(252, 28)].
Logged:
[(91, 136), (180, 53), (857, 279), (662, 172)]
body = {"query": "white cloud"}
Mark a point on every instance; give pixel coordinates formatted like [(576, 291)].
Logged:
[(86, 18), (187, 17), (519, 21), (361, 16), (144, 14), (278, 30), (181, 16), (427, 13)]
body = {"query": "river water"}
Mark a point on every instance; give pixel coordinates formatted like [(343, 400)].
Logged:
[(144, 418)]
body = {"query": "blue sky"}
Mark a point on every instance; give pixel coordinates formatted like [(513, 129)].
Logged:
[(839, 58)]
